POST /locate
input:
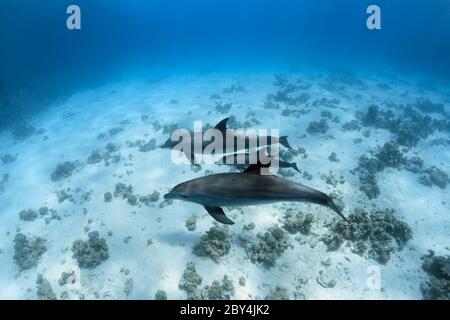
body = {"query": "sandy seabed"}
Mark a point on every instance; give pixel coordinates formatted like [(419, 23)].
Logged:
[(148, 241)]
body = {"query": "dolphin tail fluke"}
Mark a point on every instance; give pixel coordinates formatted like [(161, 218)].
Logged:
[(294, 166), (284, 142), (332, 205)]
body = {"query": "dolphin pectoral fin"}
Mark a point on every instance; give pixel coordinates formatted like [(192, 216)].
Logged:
[(218, 214), (253, 169), (294, 166), (256, 168), (222, 125)]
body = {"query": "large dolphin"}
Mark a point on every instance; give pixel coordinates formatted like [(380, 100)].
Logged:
[(245, 189), (239, 141)]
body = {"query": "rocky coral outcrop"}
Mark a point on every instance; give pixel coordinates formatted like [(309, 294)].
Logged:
[(92, 252), (3, 181), (223, 108), (219, 290), (298, 222), (190, 280), (267, 247), (333, 157), (128, 286), (28, 251), (413, 164), (213, 244), (367, 170), (318, 127), (279, 293), (146, 146), (437, 286), (8, 158), (289, 155), (288, 94), (23, 131), (114, 131), (107, 196), (64, 170), (45, 213), (352, 125), (234, 88), (67, 277), (125, 192), (379, 233), (109, 155), (387, 156), (44, 290), (160, 295), (150, 199), (390, 156), (28, 215), (426, 105), (434, 176), (409, 125)]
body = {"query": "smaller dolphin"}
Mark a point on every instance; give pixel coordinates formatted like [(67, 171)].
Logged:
[(244, 159), (240, 141), (245, 189)]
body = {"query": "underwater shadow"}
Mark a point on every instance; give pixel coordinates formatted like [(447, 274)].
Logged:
[(174, 238)]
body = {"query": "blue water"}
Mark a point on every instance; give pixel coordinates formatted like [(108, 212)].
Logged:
[(120, 39), (83, 112)]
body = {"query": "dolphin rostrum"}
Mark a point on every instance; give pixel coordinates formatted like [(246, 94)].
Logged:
[(245, 189), (245, 141)]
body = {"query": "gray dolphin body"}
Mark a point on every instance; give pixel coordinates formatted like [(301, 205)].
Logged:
[(244, 141), (243, 160), (245, 189)]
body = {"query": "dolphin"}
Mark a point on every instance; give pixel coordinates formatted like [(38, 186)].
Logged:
[(235, 136), (242, 160), (247, 188)]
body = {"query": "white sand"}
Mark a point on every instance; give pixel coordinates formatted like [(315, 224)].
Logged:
[(160, 265)]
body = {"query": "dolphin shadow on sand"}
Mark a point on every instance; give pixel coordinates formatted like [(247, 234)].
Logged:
[(174, 238)]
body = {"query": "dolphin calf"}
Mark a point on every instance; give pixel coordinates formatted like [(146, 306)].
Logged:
[(242, 160), (245, 189), (245, 141)]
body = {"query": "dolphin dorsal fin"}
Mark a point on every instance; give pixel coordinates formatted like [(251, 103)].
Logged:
[(222, 125), (256, 168)]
